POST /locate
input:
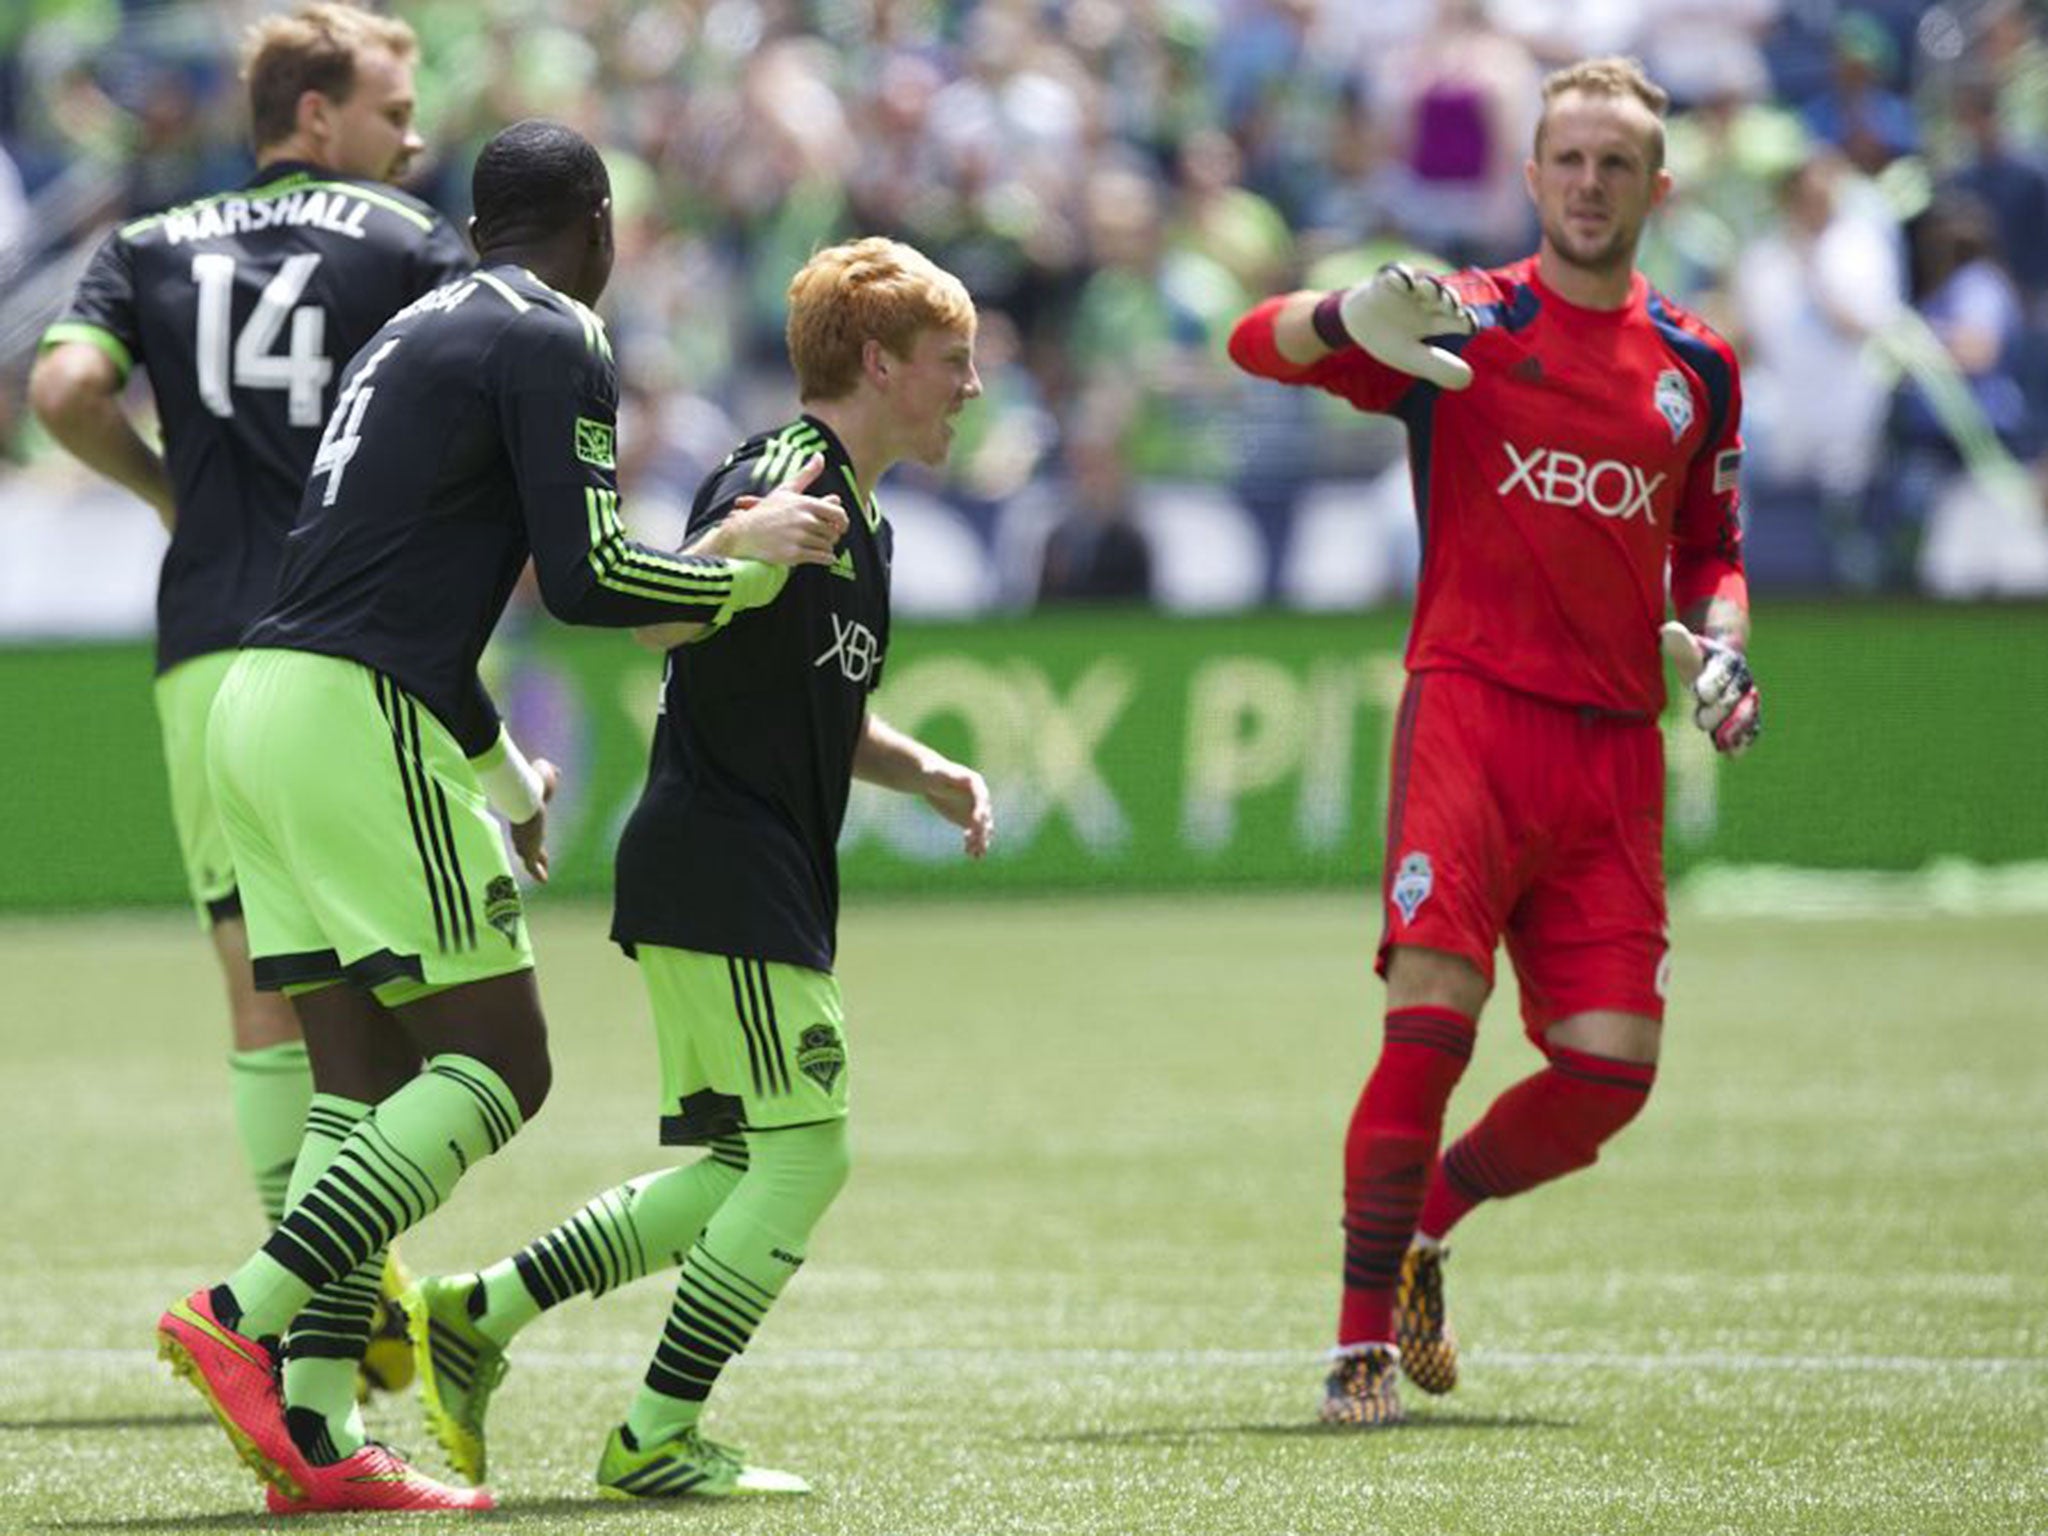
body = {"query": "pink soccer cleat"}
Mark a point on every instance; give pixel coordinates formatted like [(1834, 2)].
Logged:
[(237, 1376), (375, 1478)]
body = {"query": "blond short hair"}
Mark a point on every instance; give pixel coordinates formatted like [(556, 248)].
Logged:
[(1612, 77), (313, 49), (860, 291)]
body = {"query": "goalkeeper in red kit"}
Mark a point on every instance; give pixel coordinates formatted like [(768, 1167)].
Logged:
[(1574, 439)]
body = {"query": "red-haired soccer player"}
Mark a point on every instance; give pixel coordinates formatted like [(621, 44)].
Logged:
[(1574, 441)]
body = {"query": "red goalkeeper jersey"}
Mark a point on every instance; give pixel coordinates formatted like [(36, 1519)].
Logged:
[(1595, 452)]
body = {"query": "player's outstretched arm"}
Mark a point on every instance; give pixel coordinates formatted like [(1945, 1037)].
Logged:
[(75, 391), (787, 527), (1709, 660), (1392, 315), (888, 757)]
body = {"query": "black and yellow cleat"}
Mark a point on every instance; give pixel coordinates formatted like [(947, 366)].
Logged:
[(1359, 1392), (459, 1368), (1429, 1349), (387, 1364), (687, 1465)]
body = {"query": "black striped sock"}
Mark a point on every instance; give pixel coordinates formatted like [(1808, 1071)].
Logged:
[(603, 1246), (395, 1168), (716, 1310)]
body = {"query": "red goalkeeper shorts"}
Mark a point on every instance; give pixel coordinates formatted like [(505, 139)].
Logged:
[(1511, 817)]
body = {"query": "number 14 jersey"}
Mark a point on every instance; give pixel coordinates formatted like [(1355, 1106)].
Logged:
[(244, 307)]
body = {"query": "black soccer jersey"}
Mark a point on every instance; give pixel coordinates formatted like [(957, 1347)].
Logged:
[(733, 848), (474, 429), (244, 308)]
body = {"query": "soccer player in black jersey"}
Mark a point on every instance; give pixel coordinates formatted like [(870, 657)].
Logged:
[(728, 896), (243, 308), (356, 760)]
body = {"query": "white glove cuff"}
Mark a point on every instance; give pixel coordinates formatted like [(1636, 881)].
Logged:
[(511, 784)]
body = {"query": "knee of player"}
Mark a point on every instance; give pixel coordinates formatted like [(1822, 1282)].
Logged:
[(530, 1078), (807, 1165), (839, 1166), (1598, 1095), (830, 1161)]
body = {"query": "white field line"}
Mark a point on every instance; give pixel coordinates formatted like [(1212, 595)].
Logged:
[(1943, 888), (111, 1360)]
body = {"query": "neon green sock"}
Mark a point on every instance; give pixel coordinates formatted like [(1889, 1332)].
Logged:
[(645, 1224), (394, 1170), (270, 1088), (325, 1344), (750, 1250)]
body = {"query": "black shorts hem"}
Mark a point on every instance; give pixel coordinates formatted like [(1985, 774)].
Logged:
[(276, 972), (702, 1117), (374, 970)]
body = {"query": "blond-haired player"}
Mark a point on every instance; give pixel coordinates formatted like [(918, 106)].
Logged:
[(1576, 441)]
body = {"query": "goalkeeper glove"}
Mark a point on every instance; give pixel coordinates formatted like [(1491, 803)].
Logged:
[(1725, 701), (1390, 314)]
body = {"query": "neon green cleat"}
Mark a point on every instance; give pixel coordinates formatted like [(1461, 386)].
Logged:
[(387, 1364), (1359, 1393), (1429, 1349), (685, 1465), (458, 1369)]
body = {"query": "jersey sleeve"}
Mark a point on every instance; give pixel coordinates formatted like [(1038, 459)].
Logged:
[(560, 406), (477, 721), (1350, 373), (724, 487), (1706, 533), (102, 311)]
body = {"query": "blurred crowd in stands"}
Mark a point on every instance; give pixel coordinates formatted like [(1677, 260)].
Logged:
[(1861, 206)]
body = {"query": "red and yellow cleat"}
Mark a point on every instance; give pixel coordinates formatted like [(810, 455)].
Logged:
[(375, 1478), (237, 1376)]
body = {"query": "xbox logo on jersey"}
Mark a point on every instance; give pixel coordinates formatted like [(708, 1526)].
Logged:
[(1559, 478), (854, 647)]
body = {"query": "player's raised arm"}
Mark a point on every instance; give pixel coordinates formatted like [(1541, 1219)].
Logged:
[(1393, 315), (1368, 343)]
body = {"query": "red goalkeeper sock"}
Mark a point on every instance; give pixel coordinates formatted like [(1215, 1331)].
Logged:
[(1387, 1158), (1547, 1125)]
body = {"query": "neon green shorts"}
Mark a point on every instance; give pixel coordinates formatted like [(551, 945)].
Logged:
[(184, 698), (364, 847), (746, 1045)]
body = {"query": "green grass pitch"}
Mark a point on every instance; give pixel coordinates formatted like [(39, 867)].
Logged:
[(1087, 1263)]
